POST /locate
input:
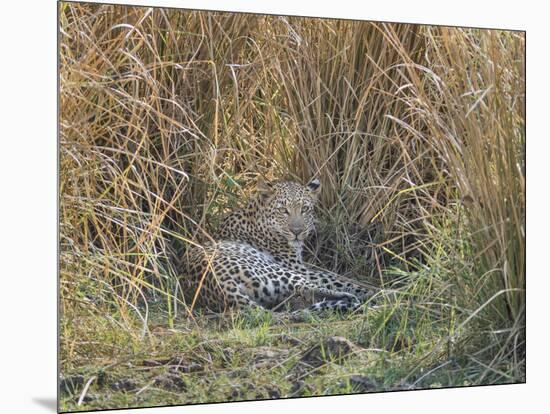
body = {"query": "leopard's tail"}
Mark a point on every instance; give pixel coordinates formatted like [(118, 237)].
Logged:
[(344, 305)]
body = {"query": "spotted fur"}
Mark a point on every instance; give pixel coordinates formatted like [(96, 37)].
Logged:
[(257, 258)]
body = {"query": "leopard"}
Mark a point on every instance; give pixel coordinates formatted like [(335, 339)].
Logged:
[(255, 259)]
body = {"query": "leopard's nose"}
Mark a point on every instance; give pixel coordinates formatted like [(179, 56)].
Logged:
[(296, 228)]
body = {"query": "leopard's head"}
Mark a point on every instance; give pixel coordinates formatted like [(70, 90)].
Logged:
[(288, 208)]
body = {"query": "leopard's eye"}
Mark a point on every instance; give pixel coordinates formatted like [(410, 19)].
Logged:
[(283, 210), (305, 209)]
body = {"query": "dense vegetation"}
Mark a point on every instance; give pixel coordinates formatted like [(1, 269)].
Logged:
[(417, 134)]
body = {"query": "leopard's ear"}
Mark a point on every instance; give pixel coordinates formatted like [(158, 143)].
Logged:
[(314, 187), (264, 188)]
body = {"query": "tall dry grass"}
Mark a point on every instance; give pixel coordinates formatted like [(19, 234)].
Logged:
[(168, 116)]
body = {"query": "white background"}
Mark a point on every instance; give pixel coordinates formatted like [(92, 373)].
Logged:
[(28, 204)]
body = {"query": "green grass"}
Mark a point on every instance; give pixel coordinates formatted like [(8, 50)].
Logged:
[(403, 343), (417, 133)]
